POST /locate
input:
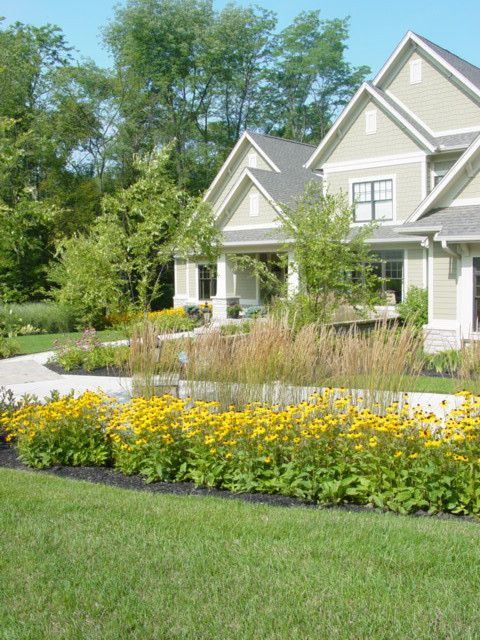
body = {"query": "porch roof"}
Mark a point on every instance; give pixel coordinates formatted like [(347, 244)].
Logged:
[(450, 223), (254, 236)]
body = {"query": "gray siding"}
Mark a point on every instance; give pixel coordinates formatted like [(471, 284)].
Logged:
[(416, 261), (464, 188), (436, 100), (355, 144), (444, 285), (180, 277), (228, 181), (246, 286), (408, 184), (239, 210)]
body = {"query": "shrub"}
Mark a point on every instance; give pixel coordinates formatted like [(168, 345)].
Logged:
[(87, 352), (329, 449), (44, 317), (255, 312), (8, 347), (241, 328), (444, 362), (173, 323), (414, 308)]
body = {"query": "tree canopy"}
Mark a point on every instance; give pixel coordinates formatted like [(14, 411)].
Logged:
[(184, 76)]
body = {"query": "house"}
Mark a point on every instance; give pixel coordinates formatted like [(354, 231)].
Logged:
[(406, 150)]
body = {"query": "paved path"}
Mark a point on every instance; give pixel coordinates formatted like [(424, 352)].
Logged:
[(27, 375)]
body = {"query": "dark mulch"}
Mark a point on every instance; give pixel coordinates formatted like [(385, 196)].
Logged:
[(116, 372), (111, 477)]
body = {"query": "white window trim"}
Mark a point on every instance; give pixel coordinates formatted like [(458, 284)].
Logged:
[(415, 71), (391, 177), (254, 205), (203, 263), (370, 122)]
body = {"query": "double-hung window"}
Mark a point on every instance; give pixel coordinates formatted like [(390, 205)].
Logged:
[(389, 266), (373, 200), (207, 281)]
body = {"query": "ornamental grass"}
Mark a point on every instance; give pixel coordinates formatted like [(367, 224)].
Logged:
[(328, 449)]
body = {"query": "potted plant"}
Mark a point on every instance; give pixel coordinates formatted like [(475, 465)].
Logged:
[(233, 310)]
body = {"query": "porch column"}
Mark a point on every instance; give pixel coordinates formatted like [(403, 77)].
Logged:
[(222, 300), (292, 276)]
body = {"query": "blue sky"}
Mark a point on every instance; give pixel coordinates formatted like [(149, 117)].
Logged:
[(376, 25)]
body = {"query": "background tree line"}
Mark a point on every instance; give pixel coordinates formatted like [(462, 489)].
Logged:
[(183, 76)]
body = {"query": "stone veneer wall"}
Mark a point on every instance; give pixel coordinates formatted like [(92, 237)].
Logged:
[(436, 340)]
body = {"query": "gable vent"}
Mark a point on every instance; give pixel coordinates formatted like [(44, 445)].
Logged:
[(415, 71)]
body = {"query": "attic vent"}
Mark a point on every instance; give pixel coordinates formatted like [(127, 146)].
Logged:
[(371, 121), (252, 160), (415, 71), (254, 205)]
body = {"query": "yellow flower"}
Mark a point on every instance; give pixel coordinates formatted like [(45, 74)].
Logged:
[(412, 456), (398, 454), (267, 460)]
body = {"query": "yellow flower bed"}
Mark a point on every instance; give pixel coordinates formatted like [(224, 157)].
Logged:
[(173, 311), (327, 449)]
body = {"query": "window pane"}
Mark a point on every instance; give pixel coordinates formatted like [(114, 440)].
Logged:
[(384, 210), (362, 192), (363, 212), (207, 281), (383, 190)]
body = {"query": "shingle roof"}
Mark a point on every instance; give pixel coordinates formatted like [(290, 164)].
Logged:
[(467, 69), (386, 233), (254, 235), (457, 140), (283, 152), (451, 222), (289, 156)]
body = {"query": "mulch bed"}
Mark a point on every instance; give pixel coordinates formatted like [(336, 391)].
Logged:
[(113, 372), (113, 478)]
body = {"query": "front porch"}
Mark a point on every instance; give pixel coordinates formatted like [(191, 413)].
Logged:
[(225, 284)]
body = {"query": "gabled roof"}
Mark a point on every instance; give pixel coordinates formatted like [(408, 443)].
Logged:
[(284, 153), (284, 185), (403, 119), (464, 68), (465, 72), (246, 137), (432, 200)]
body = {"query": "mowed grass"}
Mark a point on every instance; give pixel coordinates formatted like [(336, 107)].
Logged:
[(45, 341), (83, 561)]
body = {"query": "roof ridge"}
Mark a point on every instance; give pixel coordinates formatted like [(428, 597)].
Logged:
[(438, 46), (268, 135)]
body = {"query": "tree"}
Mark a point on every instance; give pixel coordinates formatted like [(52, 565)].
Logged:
[(122, 262), (333, 261), (310, 80), (27, 244)]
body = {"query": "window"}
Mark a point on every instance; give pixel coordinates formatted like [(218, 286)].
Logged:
[(252, 160), (438, 175), (373, 200), (207, 281), (371, 121), (389, 267), (415, 71), (254, 206)]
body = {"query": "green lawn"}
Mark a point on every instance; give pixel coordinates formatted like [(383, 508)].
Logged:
[(44, 342), (86, 562)]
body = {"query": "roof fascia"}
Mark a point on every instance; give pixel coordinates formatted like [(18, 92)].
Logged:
[(365, 87), (244, 176), (447, 181), (231, 156), (412, 37)]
